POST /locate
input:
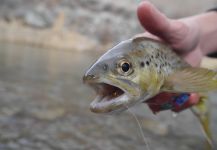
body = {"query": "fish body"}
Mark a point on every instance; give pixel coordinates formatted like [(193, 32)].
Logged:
[(138, 69)]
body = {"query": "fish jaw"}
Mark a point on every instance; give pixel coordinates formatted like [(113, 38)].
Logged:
[(112, 96), (108, 104)]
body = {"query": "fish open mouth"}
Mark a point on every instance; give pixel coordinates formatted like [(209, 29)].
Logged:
[(108, 99), (108, 92)]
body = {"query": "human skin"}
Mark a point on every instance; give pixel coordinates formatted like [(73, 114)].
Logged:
[(191, 37)]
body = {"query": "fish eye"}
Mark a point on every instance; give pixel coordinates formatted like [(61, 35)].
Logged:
[(124, 67)]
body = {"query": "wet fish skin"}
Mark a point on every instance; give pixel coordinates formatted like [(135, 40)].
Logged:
[(154, 68)]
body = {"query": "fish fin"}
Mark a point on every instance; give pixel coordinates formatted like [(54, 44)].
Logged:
[(202, 112), (191, 80)]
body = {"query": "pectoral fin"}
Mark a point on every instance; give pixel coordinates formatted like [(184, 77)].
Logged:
[(191, 80)]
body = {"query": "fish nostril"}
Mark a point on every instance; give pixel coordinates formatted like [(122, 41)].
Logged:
[(89, 77)]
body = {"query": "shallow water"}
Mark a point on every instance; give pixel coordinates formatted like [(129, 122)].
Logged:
[(44, 105)]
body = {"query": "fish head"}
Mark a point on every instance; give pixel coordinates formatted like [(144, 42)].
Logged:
[(115, 77)]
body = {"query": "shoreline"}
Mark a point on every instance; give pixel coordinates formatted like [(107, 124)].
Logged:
[(52, 38)]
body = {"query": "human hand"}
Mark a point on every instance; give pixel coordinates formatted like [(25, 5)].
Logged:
[(182, 35)]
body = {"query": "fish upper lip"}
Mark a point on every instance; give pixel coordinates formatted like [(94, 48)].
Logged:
[(88, 79)]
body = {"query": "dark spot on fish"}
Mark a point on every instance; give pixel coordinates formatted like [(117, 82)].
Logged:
[(142, 64), (166, 63), (157, 55), (152, 56), (142, 46), (105, 67), (150, 60), (156, 65), (147, 63)]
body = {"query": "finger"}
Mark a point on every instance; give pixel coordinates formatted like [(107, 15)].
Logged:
[(158, 24), (148, 35), (194, 57), (151, 19)]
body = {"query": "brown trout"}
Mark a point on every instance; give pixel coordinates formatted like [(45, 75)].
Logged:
[(140, 68)]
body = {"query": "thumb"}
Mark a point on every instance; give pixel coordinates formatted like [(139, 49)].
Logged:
[(171, 31)]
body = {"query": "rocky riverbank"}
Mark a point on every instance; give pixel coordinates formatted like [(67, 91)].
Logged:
[(52, 38), (81, 21)]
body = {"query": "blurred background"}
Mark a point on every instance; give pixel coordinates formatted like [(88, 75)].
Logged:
[(45, 48)]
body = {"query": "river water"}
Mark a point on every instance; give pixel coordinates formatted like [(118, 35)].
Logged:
[(44, 105)]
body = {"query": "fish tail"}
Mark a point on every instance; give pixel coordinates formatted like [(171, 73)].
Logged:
[(202, 112)]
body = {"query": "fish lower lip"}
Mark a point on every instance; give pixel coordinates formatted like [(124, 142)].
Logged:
[(108, 98), (105, 105)]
